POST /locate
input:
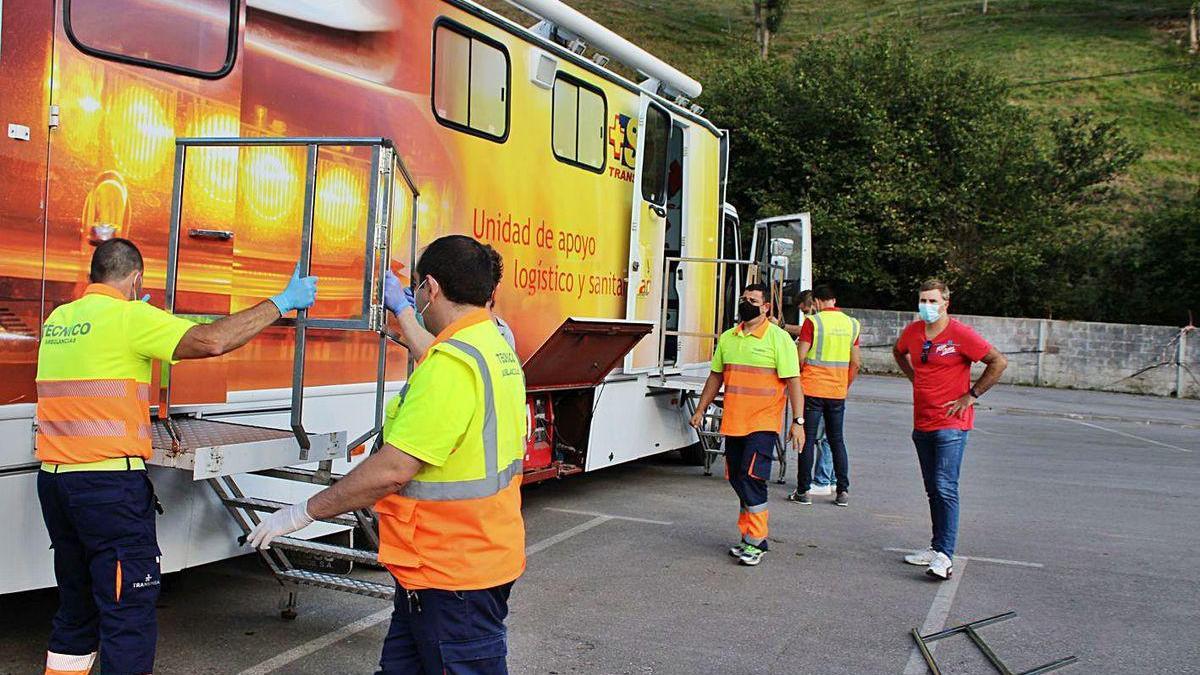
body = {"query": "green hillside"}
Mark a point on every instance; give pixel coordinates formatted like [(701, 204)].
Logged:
[(1026, 41)]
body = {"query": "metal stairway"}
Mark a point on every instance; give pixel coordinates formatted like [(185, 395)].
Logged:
[(215, 451), (279, 557)]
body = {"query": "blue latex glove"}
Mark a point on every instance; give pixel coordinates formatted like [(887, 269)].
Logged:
[(301, 293), (396, 297)]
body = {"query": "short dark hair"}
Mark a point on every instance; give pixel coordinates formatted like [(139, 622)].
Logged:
[(114, 260), (824, 292), (805, 296), (467, 271), (761, 288)]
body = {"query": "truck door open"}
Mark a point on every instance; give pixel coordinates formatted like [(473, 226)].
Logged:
[(647, 230)]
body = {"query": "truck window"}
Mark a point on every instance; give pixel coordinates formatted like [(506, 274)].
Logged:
[(198, 39), (471, 75), (577, 131), (657, 135)]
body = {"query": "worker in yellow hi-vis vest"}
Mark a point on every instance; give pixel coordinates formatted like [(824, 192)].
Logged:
[(829, 361), (447, 481), (93, 438)]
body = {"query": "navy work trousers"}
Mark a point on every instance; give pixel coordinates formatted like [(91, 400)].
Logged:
[(106, 562), (452, 632)]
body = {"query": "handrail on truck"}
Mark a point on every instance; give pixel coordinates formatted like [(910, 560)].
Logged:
[(776, 296), (385, 161)]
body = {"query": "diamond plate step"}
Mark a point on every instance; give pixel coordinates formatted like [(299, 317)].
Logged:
[(317, 548), (336, 583), (269, 506)]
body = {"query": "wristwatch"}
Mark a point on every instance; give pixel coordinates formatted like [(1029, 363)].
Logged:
[(972, 392), (799, 421)]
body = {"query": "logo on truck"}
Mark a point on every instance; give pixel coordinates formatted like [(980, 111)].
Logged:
[(622, 136)]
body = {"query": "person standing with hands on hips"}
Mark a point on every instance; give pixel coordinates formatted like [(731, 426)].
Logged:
[(757, 363), (935, 353)]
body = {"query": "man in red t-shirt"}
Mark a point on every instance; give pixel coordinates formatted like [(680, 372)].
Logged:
[(935, 354)]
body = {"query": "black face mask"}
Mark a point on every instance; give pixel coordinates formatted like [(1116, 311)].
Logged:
[(748, 312)]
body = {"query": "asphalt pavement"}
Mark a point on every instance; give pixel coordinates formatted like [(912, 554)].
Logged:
[(1080, 512)]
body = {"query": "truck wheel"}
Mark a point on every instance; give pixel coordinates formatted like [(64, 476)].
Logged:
[(692, 455)]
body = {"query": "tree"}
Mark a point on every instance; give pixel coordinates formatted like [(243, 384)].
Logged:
[(916, 166), (768, 19)]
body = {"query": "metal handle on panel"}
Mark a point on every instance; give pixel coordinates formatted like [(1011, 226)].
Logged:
[(215, 235)]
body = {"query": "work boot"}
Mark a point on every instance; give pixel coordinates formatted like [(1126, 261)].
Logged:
[(940, 567), (799, 497), (842, 498), (751, 555), (922, 558)]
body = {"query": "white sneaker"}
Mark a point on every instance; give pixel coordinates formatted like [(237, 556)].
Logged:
[(940, 567), (815, 489), (922, 558)]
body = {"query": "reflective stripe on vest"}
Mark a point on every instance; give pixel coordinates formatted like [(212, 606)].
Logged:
[(107, 416), (833, 336), (495, 478)]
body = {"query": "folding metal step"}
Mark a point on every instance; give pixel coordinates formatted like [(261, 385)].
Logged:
[(317, 548), (210, 448), (336, 583), (269, 506)]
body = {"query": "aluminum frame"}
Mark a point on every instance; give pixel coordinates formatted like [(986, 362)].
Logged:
[(385, 164), (970, 629)]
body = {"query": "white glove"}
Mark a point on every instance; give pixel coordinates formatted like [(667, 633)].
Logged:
[(279, 523)]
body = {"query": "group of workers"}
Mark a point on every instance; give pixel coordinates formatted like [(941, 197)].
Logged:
[(445, 481), (762, 372), (445, 478)]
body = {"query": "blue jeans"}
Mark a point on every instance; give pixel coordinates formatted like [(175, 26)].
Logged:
[(823, 473), (941, 453), (831, 411), (438, 632)]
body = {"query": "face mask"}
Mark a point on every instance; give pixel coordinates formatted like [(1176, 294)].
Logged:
[(421, 312), (748, 312), (929, 312)]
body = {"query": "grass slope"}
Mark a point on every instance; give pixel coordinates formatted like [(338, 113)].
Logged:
[(1025, 41)]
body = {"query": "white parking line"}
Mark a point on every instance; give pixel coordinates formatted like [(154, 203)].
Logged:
[(935, 620), (998, 561), (1136, 438), (610, 516), (567, 534), (316, 644)]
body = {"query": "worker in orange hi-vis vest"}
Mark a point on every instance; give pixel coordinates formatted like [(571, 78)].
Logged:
[(757, 363), (446, 481), (93, 439), (829, 362)]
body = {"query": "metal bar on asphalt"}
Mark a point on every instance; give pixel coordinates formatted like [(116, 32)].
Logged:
[(974, 624), (924, 649), (1053, 665), (987, 651)]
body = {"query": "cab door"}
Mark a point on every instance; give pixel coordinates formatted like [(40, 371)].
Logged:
[(647, 231)]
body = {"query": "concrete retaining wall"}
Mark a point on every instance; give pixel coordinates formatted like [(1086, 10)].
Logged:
[(1069, 354)]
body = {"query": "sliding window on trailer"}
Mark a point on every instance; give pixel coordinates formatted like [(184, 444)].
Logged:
[(578, 126), (197, 39), (472, 77)]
